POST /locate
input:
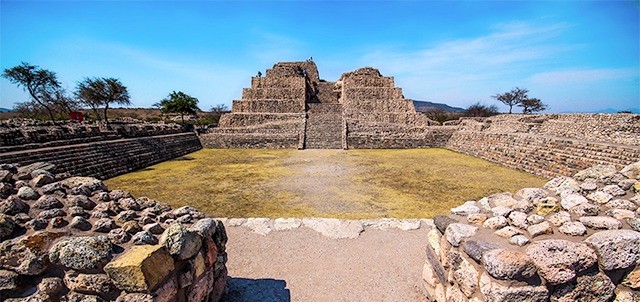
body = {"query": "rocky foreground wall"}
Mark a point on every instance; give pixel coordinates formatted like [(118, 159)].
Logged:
[(576, 239), (71, 239), (107, 159)]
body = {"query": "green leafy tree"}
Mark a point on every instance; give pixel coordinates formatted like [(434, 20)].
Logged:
[(179, 102), (102, 92), (512, 98), (532, 105), (41, 84)]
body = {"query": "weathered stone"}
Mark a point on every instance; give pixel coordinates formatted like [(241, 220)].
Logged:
[(600, 197), (540, 229), (91, 284), (475, 248), (622, 204), (634, 223), (48, 214), (591, 287), (37, 224), (48, 202), (334, 228), (81, 201), (128, 204), (546, 208), (518, 219), (477, 218), (573, 228), (429, 275), (82, 253), (78, 297), (59, 222), (8, 280), (621, 214), (464, 273), (28, 255), (207, 227), (5, 175), (599, 173), (258, 225), (631, 171), (13, 205), (562, 184), (532, 194), (144, 237), (495, 222), (80, 223), (154, 228), (141, 268), (86, 184), (284, 224), (180, 241), (558, 261), (616, 249), (589, 186), (442, 222), (27, 193), (601, 222), (104, 225), (456, 232), (519, 240), (534, 219), (124, 216), (51, 188), (7, 225), (571, 200), (116, 195), (614, 190), (625, 295), (585, 209), (508, 265), (508, 232), (493, 291), (51, 286), (434, 240), (119, 236), (135, 297), (42, 179), (465, 209), (131, 227), (502, 200), (632, 279), (501, 211)]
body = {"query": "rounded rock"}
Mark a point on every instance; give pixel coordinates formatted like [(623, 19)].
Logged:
[(181, 242)]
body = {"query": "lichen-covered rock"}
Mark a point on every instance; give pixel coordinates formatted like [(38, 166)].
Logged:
[(558, 261), (81, 201), (180, 241), (518, 219), (27, 193), (48, 202), (601, 222), (119, 236), (82, 253), (616, 249), (13, 205), (562, 185), (519, 240), (28, 255), (80, 223), (7, 225), (540, 229), (573, 228), (591, 287), (600, 173), (495, 222), (144, 237), (508, 265), (493, 291), (104, 225), (91, 284), (572, 200), (8, 280), (87, 185), (632, 171), (632, 279), (141, 268), (464, 273), (508, 232)]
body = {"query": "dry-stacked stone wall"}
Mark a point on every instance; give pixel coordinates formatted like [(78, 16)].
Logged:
[(21, 134), (106, 159), (576, 239), (551, 145), (71, 239)]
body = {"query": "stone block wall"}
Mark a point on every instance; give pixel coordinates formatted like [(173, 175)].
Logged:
[(106, 159), (20, 134), (527, 143), (576, 239), (72, 239)]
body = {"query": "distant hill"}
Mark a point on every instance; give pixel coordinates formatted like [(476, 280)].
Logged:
[(423, 106), (5, 110)]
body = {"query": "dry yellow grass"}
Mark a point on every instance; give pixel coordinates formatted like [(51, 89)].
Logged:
[(354, 184)]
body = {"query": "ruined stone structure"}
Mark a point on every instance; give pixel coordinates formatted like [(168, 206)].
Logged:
[(576, 239), (291, 107), (71, 239)]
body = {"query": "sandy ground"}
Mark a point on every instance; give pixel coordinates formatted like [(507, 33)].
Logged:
[(303, 265)]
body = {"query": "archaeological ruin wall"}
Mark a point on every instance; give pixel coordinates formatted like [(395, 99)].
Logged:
[(68, 238), (108, 158), (576, 239), (551, 145)]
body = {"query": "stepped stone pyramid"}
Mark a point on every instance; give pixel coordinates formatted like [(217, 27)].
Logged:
[(291, 107)]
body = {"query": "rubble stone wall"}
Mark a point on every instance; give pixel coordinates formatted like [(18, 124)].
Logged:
[(576, 239), (106, 159), (72, 239), (527, 143)]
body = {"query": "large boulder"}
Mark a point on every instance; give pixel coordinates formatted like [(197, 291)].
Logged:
[(82, 253)]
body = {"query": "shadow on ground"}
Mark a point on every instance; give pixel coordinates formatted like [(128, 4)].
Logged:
[(254, 290)]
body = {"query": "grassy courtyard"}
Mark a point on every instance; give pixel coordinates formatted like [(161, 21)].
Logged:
[(354, 184)]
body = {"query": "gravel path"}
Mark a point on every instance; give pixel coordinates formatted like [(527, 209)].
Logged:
[(302, 264)]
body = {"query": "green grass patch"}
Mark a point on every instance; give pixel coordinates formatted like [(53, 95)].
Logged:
[(354, 184)]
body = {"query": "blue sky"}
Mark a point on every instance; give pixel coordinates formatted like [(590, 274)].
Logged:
[(574, 55)]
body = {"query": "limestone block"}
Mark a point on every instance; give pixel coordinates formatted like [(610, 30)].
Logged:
[(180, 241), (141, 268), (456, 232), (540, 229)]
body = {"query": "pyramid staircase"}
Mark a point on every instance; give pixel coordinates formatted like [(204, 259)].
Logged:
[(324, 126)]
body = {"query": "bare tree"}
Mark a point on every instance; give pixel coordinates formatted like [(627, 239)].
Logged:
[(532, 105), (512, 98), (42, 85)]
